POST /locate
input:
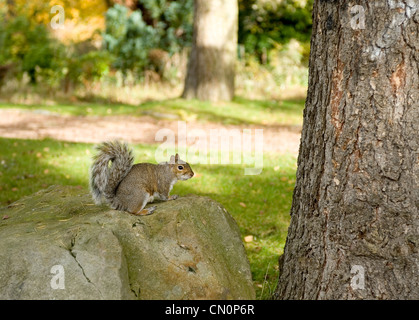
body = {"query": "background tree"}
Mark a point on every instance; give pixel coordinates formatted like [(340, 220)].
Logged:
[(355, 204), (210, 74)]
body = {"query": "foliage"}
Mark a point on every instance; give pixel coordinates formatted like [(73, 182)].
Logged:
[(173, 20), (147, 36), (82, 18), (265, 24), (130, 38), (32, 50), (29, 47), (89, 67)]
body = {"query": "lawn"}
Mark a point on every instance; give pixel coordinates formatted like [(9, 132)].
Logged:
[(238, 112)]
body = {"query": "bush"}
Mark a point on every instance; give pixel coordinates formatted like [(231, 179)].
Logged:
[(88, 68), (128, 38), (263, 25), (29, 48), (162, 24)]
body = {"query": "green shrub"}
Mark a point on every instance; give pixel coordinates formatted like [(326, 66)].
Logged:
[(130, 36), (90, 67), (263, 25), (29, 47)]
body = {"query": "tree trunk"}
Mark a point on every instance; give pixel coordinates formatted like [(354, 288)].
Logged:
[(210, 74), (354, 231)]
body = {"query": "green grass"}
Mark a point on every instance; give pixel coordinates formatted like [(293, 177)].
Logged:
[(260, 204), (239, 111)]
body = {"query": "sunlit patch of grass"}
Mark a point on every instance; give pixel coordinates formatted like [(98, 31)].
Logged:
[(240, 111), (237, 112)]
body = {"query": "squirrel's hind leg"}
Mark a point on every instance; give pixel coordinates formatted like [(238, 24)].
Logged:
[(139, 210)]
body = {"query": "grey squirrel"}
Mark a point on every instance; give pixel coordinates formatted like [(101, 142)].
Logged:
[(128, 187)]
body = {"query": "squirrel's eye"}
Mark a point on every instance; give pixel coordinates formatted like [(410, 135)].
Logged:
[(180, 167)]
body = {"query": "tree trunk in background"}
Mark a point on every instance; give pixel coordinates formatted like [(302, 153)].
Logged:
[(354, 231), (210, 74)]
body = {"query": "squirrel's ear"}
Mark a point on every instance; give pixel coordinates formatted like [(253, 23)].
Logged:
[(177, 158), (172, 160)]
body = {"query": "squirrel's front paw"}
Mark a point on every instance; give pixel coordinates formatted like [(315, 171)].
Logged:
[(174, 197)]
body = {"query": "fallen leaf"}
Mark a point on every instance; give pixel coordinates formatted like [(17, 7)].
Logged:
[(15, 189), (46, 171), (39, 155), (5, 217), (46, 149), (248, 238), (242, 204)]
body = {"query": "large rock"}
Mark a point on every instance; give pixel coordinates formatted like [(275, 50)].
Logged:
[(56, 244)]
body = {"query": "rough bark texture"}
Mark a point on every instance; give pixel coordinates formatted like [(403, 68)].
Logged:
[(210, 73), (356, 198)]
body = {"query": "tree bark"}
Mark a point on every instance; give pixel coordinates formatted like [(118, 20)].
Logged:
[(356, 202), (210, 74)]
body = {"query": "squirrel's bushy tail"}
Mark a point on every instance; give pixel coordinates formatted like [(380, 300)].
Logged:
[(105, 177)]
